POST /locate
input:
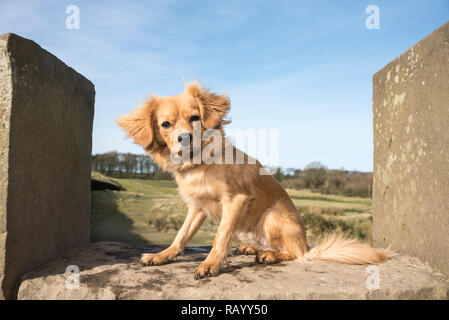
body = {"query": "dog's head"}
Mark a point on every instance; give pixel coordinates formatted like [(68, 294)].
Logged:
[(168, 122)]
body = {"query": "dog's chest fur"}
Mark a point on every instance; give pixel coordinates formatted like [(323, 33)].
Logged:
[(202, 190), (205, 190)]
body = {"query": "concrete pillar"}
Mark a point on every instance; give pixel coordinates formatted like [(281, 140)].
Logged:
[(411, 151), (46, 114)]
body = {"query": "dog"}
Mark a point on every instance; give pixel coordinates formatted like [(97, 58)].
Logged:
[(252, 208)]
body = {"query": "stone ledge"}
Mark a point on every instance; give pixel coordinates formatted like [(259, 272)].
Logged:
[(110, 270)]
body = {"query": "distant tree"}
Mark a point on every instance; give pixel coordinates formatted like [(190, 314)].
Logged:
[(315, 165), (127, 165), (290, 172), (318, 178), (278, 174)]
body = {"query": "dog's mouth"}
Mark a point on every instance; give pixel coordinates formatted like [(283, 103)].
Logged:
[(185, 152)]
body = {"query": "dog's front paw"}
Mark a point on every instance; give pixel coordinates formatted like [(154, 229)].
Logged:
[(149, 259), (207, 269), (245, 250)]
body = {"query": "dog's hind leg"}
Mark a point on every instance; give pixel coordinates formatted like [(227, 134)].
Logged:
[(286, 235)]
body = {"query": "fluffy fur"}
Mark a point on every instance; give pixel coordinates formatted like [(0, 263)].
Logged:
[(253, 209)]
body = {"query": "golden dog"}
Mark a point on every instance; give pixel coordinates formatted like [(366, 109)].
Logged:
[(252, 208)]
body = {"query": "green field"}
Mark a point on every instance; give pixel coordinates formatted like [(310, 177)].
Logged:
[(151, 212)]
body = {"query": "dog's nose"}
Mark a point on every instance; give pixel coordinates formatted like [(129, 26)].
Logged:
[(184, 139)]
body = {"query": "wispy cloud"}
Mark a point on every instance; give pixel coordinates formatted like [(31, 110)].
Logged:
[(303, 67)]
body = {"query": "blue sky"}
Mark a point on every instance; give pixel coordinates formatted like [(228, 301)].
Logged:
[(302, 67)]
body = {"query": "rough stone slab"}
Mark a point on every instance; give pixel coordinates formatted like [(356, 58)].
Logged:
[(46, 114), (411, 152), (110, 270)]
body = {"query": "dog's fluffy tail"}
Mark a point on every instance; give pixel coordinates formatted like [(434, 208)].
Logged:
[(339, 248)]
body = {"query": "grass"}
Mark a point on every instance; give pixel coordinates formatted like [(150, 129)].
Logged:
[(148, 212), (151, 212), (323, 213)]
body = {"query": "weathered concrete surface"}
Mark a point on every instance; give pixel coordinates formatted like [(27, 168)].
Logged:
[(411, 152), (110, 270), (46, 114)]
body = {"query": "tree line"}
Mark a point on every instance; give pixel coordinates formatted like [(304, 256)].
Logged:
[(127, 165), (318, 177), (314, 176)]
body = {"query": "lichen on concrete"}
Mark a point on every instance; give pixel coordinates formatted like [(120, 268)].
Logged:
[(411, 144)]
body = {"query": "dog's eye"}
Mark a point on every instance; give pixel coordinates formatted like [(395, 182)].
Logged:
[(166, 124), (194, 118)]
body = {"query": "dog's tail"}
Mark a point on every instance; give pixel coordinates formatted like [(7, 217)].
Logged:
[(339, 248)]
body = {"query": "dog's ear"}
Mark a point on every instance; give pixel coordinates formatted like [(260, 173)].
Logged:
[(139, 123), (213, 107)]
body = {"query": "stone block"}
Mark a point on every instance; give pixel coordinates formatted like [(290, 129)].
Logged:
[(46, 114), (411, 152)]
